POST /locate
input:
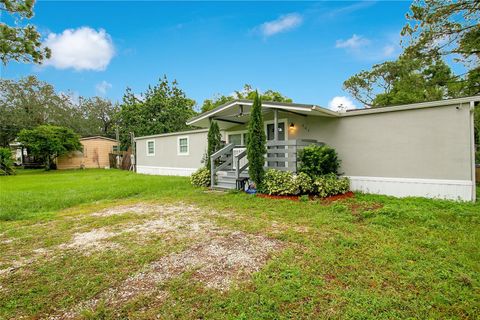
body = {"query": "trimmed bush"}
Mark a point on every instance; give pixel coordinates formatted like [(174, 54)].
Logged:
[(318, 160), (6, 162), (201, 178), (304, 183), (279, 183), (330, 185)]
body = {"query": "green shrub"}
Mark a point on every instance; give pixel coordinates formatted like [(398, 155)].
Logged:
[(304, 183), (256, 141), (201, 178), (279, 183), (330, 185), (318, 160), (286, 183), (6, 162)]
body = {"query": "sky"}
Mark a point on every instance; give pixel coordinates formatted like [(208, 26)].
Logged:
[(305, 50)]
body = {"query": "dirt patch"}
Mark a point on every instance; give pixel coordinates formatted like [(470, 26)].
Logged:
[(216, 263), (180, 221), (358, 207), (91, 241), (144, 208)]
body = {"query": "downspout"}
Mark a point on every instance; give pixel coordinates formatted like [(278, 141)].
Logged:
[(472, 149)]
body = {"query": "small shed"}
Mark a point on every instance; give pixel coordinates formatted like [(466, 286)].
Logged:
[(95, 154)]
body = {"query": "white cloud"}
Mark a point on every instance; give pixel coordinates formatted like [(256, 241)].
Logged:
[(388, 50), (354, 42), (341, 103), (102, 87), (81, 49), (282, 24)]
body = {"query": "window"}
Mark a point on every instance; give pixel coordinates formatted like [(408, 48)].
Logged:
[(236, 139), (150, 147), (183, 145)]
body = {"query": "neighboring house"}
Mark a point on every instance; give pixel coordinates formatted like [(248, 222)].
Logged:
[(422, 149), (95, 154), (178, 154)]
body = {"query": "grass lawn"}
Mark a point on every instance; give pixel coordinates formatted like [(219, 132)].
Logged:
[(109, 244)]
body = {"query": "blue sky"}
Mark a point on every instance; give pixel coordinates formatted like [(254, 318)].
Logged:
[(303, 49)]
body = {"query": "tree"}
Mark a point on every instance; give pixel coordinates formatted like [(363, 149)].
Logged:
[(47, 142), (256, 148), (27, 103), (161, 109), (30, 102), (405, 80), (98, 115), (246, 93), (6, 162), (214, 141), (440, 28), (20, 43)]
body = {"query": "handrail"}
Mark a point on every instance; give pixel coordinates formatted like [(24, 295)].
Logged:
[(214, 157), (222, 151), (237, 159)]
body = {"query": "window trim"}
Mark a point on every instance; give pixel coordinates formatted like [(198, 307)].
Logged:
[(148, 153), (188, 146)]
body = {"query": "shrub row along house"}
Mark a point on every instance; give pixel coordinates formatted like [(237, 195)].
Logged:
[(422, 149)]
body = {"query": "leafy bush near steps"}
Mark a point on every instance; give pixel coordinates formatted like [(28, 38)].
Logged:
[(201, 178), (278, 182), (318, 160), (6, 162), (330, 185), (304, 183)]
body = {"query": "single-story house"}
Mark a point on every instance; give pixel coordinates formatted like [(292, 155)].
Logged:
[(95, 154), (421, 149)]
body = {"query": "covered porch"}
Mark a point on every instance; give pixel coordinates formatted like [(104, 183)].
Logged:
[(286, 128)]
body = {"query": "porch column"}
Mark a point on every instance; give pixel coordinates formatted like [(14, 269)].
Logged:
[(275, 125)]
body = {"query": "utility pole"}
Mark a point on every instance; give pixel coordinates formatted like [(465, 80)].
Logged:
[(117, 156), (132, 156)]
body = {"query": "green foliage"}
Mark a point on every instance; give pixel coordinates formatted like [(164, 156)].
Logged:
[(318, 160), (214, 141), (406, 80), (304, 183), (20, 43), (444, 28), (29, 102), (6, 162), (200, 178), (279, 182), (330, 185), (256, 141), (48, 142), (246, 93), (161, 109)]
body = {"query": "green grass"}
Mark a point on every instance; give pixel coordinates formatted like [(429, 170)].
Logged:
[(371, 257)]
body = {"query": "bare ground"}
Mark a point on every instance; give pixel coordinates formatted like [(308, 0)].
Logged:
[(218, 257)]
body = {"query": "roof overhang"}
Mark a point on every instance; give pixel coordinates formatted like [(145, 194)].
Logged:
[(238, 112)]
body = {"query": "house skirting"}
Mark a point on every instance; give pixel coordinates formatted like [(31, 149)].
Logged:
[(405, 187), (166, 171)]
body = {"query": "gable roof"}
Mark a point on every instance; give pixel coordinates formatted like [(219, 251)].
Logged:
[(98, 137), (223, 110)]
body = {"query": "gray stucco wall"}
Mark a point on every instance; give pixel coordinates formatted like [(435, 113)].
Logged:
[(166, 151), (430, 143)]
